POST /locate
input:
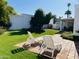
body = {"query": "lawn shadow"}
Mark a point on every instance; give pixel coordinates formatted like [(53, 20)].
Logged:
[(38, 32), (24, 31), (19, 32), (17, 50)]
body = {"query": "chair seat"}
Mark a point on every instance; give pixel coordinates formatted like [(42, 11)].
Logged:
[(48, 48)]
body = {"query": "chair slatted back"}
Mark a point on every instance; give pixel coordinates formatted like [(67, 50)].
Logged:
[(48, 41)]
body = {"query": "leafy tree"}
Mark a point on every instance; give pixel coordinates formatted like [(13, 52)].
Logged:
[(37, 20), (10, 10), (5, 12), (68, 12), (48, 18)]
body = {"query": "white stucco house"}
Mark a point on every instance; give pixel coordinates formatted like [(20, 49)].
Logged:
[(66, 23), (76, 21), (62, 23), (20, 21)]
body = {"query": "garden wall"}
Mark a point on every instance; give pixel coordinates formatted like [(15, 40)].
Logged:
[(20, 21)]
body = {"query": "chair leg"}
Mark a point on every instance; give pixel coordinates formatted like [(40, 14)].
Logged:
[(53, 54)]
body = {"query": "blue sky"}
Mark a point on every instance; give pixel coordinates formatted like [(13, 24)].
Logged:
[(57, 7)]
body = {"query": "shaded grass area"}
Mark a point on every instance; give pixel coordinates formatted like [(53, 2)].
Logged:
[(9, 39)]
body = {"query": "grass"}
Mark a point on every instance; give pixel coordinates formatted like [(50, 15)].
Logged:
[(11, 38)]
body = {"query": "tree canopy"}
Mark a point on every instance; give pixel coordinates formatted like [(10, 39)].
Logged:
[(5, 12), (39, 19), (48, 18), (68, 12)]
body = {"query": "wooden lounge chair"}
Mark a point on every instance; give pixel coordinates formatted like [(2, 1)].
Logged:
[(47, 48)]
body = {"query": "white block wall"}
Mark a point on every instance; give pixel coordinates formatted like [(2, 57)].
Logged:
[(20, 21), (76, 21)]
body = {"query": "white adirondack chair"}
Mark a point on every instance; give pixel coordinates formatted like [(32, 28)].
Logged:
[(47, 46)]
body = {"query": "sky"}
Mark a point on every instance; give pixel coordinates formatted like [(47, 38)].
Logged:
[(57, 7)]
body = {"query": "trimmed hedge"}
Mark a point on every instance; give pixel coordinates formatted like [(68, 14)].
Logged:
[(70, 36)]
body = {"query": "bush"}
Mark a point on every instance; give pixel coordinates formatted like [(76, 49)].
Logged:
[(69, 36)]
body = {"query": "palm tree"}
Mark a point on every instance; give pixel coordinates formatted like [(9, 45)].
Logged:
[(68, 12), (68, 5)]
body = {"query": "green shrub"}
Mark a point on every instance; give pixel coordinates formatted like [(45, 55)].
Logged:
[(70, 36), (67, 35)]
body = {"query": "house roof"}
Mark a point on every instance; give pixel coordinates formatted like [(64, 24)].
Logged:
[(64, 19)]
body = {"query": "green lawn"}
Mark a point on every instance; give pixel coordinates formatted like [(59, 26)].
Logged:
[(11, 38)]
